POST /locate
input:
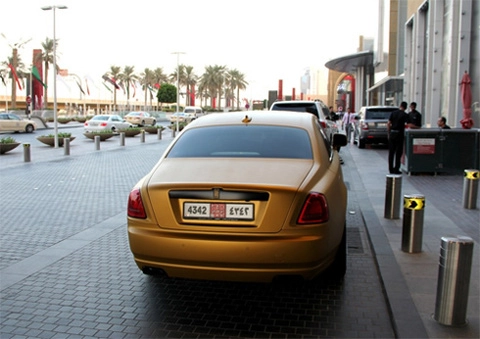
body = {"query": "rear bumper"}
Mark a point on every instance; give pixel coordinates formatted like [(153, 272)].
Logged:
[(233, 257)]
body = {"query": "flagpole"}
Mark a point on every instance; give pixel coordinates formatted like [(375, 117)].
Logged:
[(55, 122)]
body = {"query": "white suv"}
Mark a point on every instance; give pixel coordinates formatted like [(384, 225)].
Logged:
[(316, 107)]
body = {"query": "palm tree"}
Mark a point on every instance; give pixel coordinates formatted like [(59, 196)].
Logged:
[(238, 82), (190, 81), (212, 82), (147, 80), (19, 67), (114, 74), (128, 77), (47, 57)]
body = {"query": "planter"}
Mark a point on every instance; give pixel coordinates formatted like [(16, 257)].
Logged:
[(103, 136), (51, 141), (153, 129), (4, 148), (130, 132)]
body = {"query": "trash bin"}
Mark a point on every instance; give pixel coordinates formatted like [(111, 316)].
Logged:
[(453, 284)]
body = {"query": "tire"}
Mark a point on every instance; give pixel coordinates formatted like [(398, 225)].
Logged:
[(142, 124), (154, 122), (29, 128), (361, 143)]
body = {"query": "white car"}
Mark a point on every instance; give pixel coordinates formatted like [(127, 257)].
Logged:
[(10, 122), (107, 122)]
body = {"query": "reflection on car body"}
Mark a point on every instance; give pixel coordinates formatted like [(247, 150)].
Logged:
[(266, 200)]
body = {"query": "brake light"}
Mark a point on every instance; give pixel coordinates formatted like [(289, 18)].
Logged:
[(324, 124), (85, 124), (103, 124), (135, 205), (364, 125), (314, 210)]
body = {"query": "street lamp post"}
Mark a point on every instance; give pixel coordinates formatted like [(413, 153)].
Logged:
[(178, 85), (55, 120)]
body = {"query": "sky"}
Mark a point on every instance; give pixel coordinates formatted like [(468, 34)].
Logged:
[(266, 40)]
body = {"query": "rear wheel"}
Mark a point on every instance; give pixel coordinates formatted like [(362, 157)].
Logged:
[(29, 128), (154, 122)]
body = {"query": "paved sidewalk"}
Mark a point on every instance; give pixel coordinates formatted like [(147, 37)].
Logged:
[(414, 276)]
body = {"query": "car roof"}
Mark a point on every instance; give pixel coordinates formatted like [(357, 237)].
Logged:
[(294, 119)]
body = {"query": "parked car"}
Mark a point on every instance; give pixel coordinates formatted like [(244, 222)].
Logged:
[(140, 118), (10, 122), (315, 107), (106, 122), (193, 112), (266, 200), (181, 117), (371, 126)]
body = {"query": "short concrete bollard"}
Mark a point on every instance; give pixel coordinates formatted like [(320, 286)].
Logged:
[(412, 231), (393, 193), (454, 271), (26, 153), (159, 134), (66, 146), (142, 136), (173, 132), (470, 188), (122, 138), (97, 142)]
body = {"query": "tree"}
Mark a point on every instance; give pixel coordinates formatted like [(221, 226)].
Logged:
[(167, 93), (190, 81), (128, 78), (16, 63), (147, 83), (114, 75), (238, 82), (47, 57)]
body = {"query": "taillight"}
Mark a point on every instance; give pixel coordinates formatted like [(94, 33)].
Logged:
[(103, 124), (364, 125), (324, 124), (135, 205), (314, 210), (86, 123)]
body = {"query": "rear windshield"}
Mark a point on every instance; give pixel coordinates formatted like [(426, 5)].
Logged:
[(380, 113), (243, 141), (297, 107)]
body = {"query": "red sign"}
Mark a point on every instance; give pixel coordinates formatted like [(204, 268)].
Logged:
[(28, 100), (423, 146)]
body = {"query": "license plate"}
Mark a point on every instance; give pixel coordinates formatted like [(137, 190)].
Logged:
[(218, 211), (382, 125)]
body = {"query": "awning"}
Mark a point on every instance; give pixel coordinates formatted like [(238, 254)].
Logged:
[(350, 63), (388, 84)]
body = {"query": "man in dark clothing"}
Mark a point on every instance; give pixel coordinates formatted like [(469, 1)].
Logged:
[(442, 123), (414, 117), (396, 129)]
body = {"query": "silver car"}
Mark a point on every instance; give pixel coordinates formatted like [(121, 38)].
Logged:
[(371, 126), (107, 122)]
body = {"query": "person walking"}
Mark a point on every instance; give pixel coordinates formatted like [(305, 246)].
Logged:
[(396, 129), (347, 122), (414, 117), (442, 123)]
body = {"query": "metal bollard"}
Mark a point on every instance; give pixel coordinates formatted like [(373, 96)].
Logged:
[(66, 146), (173, 133), (393, 193), (412, 231), (26, 153), (122, 138), (142, 136), (454, 270), (159, 133), (97, 142), (470, 188)]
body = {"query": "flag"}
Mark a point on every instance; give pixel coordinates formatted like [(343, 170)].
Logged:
[(80, 87), (3, 80), (106, 86), (86, 85), (36, 75), (111, 81), (15, 76)]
